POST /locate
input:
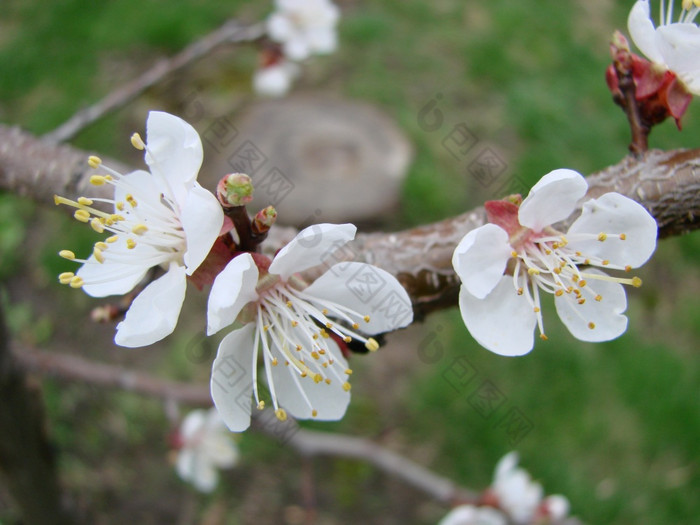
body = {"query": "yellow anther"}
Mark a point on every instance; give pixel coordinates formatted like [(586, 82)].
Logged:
[(559, 292), (372, 345), (314, 413), (266, 327), (623, 236), (587, 261), (113, 238), (355, 326), (76, 282), (116, 217), (67, 254), (315, 336), (578, 254), (602, 236), (331, 361), (324, 365), (347, 386), (274, 361), (513, 253), (321, 351), (66, 277), (366, 318), (281, 414), (582, 283), (325, 334), (605, 262), (97, 225), (84, 201), (536, 309), (101, 245), (289, 304), (327, 381), (318, 378), (591, 325), (137, 142), (298, 348), (564, 240), (82, 215), (533, 271), (544, 337), (94, 162), (636, 282), (628, 268), (582, 300), (98, 255), (547, 251), (329, 325), (295, 323), (304, 373), (120, 206), (348, 371), (574, 277), (314, 354), (130, 244), (97, 180), (557, 270), (347, 339), (520, 290), (598, 297), (555, 245), (139, 229), (261, 405)]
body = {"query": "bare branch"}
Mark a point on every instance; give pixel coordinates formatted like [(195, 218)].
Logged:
[(230, 32), (307, 442)]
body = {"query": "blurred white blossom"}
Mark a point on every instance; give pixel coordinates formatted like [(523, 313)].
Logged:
[(205, 445), (304, 27), (276, 79)]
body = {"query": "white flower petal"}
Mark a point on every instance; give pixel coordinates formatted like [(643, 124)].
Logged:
[(231, 383), (140, 180), (330, 401), (470, 515), (154, 313), (552, 199), (643, 32), (274, 81), (297, 48), (201, 218), (112, 278), (368, 290), (502, 322), (233, 288), (614, 214), (481, 257), (192, 424), (606, 315), (279, 28), (174, 152), (323, 40), (311, 247), (680, 47), (506, 465)]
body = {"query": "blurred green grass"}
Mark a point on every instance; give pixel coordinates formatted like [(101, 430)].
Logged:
[(615, 426)]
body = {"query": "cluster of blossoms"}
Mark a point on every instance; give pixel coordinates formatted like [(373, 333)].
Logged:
[(203, 445), (512, 498), (300, 28), (165, 220), (665, 83), (505, 264)]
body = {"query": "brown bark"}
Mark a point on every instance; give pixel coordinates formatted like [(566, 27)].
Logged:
[(27, 461)]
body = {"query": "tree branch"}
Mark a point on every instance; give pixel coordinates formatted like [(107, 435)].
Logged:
[(666, 183), (308, 443), (230, 32)]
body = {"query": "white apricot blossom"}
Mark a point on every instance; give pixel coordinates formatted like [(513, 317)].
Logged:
[(471, 515), (205, 445), (673, 45), (296, 328), (521, 498), (276, 79), (304, 27), (505, 264), (159, 219)]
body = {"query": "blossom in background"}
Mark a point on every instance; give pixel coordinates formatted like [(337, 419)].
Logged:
[(160, 219), (504, 264), (275, 80), (471, 515), (293, 326), (672, 45), (520, 497), (204, 445), (304, 27)]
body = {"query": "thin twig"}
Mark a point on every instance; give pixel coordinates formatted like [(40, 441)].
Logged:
[(230, 32), (307, 442)]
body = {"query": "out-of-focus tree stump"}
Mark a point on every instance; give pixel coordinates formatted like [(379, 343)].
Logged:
[(318, 159)]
